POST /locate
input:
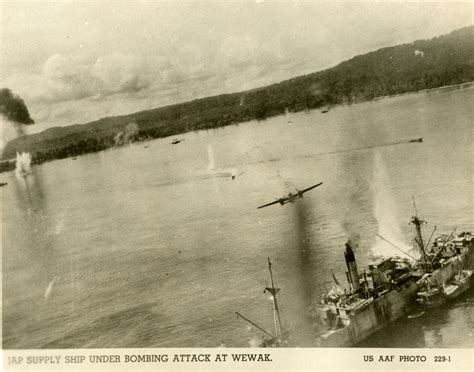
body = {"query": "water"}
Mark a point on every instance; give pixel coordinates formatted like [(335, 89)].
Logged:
[(159, 246)]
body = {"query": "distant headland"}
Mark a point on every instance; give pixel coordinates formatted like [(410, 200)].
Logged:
[(421, 65)]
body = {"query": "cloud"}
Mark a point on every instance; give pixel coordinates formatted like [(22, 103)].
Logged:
[(61, 68), (120, 73), (160, 52), (67, 90), (64, 78)]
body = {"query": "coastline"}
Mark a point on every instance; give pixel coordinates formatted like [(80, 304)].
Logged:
[(8, 165), (467, 85)]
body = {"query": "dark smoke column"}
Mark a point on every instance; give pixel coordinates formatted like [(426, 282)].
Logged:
[(14, 108)]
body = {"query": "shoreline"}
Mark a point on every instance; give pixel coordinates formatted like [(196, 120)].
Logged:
[(384, 73), (8, 165), (466, 85)]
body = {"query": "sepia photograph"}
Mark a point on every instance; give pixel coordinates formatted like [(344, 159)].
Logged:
[(236, 175)]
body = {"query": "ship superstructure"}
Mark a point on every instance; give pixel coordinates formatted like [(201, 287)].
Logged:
[(390, 287)]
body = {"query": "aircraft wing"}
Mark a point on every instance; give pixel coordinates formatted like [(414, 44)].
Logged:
[(312, 187), (266, 205)]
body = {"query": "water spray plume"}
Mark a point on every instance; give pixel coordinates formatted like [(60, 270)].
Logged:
[(385, 212), (218, 172), (211, 165), (23, 164)]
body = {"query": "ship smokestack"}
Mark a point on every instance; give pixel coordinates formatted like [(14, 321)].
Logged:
[(352, 266), (349, 280)]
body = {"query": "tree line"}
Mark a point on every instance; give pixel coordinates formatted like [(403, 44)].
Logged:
[(423, 64)]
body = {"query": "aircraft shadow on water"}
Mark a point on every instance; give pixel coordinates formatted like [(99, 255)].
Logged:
[(291, 197)]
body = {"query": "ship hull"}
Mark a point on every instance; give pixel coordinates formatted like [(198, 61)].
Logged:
[(376, 315), (390, 306)]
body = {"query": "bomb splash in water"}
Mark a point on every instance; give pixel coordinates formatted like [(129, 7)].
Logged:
[(385, 212), (213, 172), (23, 164)]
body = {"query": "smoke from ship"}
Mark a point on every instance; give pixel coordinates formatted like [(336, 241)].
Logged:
[(352, 272)]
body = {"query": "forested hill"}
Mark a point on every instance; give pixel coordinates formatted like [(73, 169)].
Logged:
[(423, 64)]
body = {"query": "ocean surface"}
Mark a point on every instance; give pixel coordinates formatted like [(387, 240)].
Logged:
[(155, 245)]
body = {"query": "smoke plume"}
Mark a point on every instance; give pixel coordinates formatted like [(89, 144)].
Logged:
[(303, 247), (128, 135), (306, 247), (13, 116), (14, 108)]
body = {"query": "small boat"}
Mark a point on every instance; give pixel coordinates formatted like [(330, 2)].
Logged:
[(435, 296), (280, 336), (460, 284), (416, 315), (325, 110), (3, 184), (176, 141), (431, 297)]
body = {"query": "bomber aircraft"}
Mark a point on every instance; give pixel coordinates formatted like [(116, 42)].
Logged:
[(291, 197)]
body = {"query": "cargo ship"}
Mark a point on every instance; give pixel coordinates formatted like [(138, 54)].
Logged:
[(389, 288)]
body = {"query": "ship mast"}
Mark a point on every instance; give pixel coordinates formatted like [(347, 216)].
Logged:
[(273, 291), (280, 334)]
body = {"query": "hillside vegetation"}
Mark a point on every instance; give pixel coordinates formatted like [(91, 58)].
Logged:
[(423, 64)]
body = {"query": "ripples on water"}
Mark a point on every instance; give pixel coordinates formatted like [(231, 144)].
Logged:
[(152, 248)]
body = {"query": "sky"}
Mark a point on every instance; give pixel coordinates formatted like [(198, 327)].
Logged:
[(77, 62)]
